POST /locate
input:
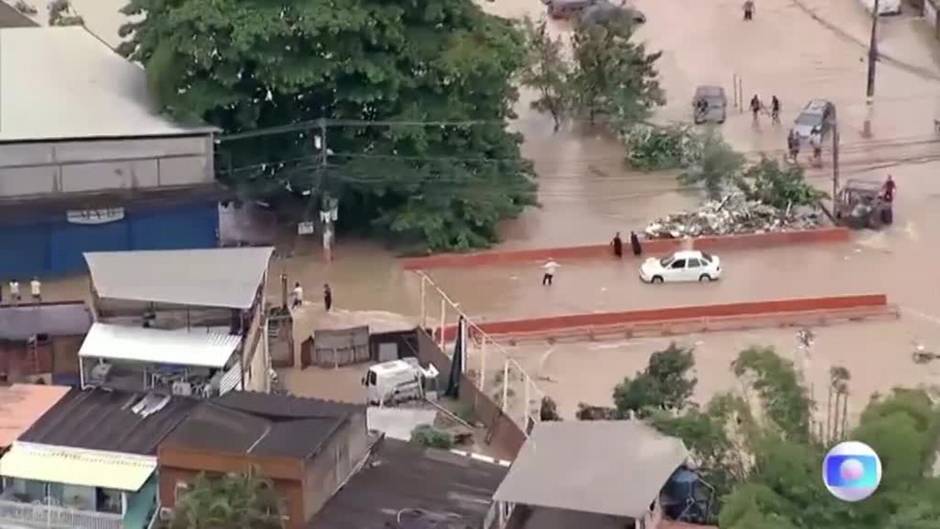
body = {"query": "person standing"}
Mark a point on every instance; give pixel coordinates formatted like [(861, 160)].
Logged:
[(617, 244), (815, 141), (793, 145), (14, 291), (755, 106), (327, 297), (749, 10), (775, 109), (888, 189), (35, 288), (550, 268), (635, 244), (297, 296)]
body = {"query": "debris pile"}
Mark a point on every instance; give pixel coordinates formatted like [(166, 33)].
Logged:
[(732, 215)]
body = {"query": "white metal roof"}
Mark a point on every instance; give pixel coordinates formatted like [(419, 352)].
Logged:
[(74, 466), (177, 347), (214, 277), (604, 467), (62, 83)]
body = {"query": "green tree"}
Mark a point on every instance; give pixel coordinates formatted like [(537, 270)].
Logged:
[(546, 71), (245, 66), (716, 167), (778, 185), (613, 76), (665, 384), (785, 401), (233, 501)]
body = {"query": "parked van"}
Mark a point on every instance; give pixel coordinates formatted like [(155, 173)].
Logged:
[(397, 381)]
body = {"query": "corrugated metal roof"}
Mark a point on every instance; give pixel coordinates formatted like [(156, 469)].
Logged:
[(63, 83), (605, 467), (99, 419), (54, 319), (22, 404), (178, 347), (77, 467), (214, 277)]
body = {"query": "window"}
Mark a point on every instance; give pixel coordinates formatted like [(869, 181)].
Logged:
[(665, 262), (694, 263), (371, 379), (678, 264), (706, 257), (180, 490)]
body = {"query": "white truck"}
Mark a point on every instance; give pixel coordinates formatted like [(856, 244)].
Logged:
[(398, 381)]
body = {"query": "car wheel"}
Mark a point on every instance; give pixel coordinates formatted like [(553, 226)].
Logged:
[(656, 279), (704, 277)]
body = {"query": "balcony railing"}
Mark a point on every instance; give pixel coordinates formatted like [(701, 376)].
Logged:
[(50, 516)]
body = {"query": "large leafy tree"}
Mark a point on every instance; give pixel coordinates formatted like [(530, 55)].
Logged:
[(547, 71), (442, 174), (665, 384), (233, 501), (613, 76)]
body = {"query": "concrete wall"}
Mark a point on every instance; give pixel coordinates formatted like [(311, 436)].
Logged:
[(651, 247), (334, 463), (255, 352), (44, 168), (724, 310)]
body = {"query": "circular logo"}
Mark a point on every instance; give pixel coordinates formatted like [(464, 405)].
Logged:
[(851, 471)]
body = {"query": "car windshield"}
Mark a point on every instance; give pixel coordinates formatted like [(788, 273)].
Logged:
[(706, 257), (666, 261), (808, 119)]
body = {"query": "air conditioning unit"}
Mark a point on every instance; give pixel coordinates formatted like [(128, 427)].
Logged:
[(166, 514)]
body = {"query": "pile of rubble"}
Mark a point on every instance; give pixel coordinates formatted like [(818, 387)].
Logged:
[(733, 215)]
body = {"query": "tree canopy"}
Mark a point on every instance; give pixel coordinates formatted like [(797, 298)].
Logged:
[(443, 174), (232, 501)]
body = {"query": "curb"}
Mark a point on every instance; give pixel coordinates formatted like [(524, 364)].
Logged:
[(481, 457)]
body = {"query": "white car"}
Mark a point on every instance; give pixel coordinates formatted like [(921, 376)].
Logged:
[(689, 265), (885, 7)]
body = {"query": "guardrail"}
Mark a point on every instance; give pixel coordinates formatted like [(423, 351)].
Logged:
[(46, 516)]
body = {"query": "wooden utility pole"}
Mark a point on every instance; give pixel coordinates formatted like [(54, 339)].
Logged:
[(872, 52), (835, 161)]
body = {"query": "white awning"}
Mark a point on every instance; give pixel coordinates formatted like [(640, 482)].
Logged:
[(74, 466), (209, 277), (177, 347)]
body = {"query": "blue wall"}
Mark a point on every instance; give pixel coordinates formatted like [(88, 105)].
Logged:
[(55, 247)]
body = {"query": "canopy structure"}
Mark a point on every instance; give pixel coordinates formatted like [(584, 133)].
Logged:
[(214, 277), (74, 466), (176, 347), (615, 468)]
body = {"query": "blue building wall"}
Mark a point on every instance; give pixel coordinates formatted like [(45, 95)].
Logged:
[(54, 247)]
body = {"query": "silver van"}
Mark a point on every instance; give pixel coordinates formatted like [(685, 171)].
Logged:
[(709, 104)]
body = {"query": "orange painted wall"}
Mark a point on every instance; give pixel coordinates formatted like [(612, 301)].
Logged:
[(598, 251), (745, 309)]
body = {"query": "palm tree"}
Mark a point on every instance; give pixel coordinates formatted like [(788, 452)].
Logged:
[(232, 501)]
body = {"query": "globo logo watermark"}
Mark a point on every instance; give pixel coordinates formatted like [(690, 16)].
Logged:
[(851, 471)]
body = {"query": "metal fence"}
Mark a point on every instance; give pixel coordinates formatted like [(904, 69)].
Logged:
[(490, 366), (48, 516)]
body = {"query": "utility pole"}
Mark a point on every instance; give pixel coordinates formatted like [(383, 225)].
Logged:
[(835, 162), (872, 53)]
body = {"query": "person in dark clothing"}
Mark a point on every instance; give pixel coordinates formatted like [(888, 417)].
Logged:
[(775, 109), (617, 244), (888, 189), (755, 106), (327, 297), (635, 243), (749, 10)]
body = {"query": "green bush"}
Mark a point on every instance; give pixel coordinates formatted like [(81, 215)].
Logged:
[(429, 436), (657, 148)]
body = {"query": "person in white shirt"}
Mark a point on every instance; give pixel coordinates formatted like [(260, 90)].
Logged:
[(298, 296), (14, 290), (550, 267), (35, 288)]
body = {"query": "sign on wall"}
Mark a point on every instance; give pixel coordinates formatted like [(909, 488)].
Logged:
[(94, 216)]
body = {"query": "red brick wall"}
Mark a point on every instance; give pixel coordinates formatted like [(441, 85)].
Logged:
[(658, 246), (745, 309)]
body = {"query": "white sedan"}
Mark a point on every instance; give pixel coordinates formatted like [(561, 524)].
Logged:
[(689, 265)]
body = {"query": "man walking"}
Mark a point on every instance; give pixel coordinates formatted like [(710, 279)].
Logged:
[(635, 244), (297, 296), (550, 267), (327, 297), (14, 291), (755, 106), (749, 10), (775, 110), (35, 288), (617, 244)]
